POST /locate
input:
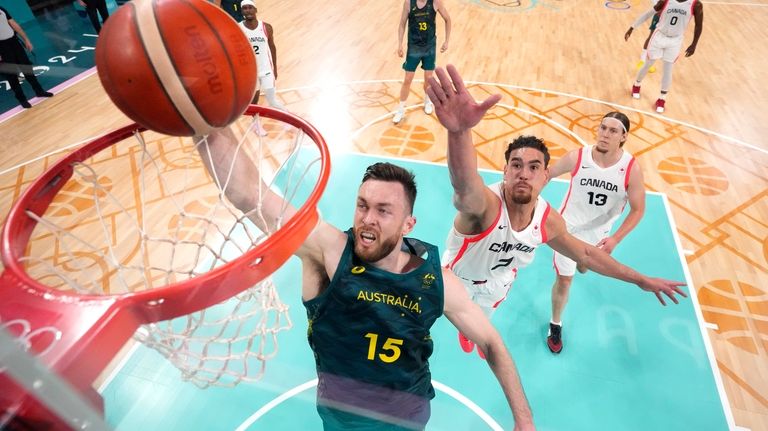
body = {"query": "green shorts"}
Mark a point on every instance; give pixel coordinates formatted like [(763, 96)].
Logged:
[(427, 60)]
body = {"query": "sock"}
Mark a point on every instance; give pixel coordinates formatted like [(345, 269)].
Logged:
[(560, 323), (401, 106)]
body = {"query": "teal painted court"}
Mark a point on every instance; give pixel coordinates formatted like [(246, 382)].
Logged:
[(628, 363)]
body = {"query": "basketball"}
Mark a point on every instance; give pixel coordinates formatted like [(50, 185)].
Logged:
[(179, 67)]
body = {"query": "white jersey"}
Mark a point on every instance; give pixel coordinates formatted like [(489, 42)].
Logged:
[(596, 196), (260, 43), (674, 17), (499, 252)]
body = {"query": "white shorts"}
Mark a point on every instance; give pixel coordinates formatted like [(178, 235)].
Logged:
[(266, 81), (567, 267), (488, 294), (664, 47)]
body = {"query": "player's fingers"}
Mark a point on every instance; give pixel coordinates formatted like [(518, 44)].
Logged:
[(458, 83), (660, 298), (489, 102), (671, 295), (434, 85), (680, 292), (445, 82), (437, 97)]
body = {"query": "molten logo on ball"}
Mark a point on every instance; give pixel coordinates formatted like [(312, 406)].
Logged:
[(179, 67), (204, 60)]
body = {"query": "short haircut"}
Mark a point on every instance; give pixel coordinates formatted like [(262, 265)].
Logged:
[(383, 171), (528, 142)]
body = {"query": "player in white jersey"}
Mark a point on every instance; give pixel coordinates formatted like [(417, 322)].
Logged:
[(667, 40), (261, 37), (604, 177), (489, 261), (515, 203)]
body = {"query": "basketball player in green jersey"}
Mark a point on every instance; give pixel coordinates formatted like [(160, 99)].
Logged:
[(644, 53), (422, 46), (371, 297)]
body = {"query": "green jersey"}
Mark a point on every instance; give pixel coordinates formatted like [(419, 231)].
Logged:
[(421, 28), (369, 331)]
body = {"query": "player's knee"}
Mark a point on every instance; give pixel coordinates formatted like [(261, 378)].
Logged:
[(563, 283)]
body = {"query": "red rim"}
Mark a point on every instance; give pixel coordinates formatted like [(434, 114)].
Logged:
[(18, 227), (93, 328)]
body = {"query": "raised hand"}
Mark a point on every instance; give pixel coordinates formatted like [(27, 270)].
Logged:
[(456, 109), (667, 287)]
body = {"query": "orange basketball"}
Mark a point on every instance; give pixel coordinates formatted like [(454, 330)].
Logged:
[(179, 67)]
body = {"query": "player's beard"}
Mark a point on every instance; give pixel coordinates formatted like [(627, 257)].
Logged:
[(373, 253), (521, 198)]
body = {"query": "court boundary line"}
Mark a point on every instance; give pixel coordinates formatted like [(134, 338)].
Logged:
[(558, 93), (694, 298), (7, 115), (266, 408), (727, 138), (488, 170)]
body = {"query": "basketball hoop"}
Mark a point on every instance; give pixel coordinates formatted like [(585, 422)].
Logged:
[(74, 303)]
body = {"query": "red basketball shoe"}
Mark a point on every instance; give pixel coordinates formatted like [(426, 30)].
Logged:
[(465, 343)]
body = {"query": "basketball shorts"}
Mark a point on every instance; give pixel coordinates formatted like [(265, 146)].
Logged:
[(567, 267), (426, 59), (664, 47), (266, 81), (488, 294)]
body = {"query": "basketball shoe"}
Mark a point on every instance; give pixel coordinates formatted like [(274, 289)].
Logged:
[(399, 114), (635, 91), (465, 343), (554, 338), (429, 107), (660, 105)]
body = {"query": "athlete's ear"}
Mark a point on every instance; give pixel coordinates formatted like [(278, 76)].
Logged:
[(408, 225)]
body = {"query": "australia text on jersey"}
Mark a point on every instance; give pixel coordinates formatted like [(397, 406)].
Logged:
[(403, 302)]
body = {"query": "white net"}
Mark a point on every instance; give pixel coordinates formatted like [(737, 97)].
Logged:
[(145, 213)]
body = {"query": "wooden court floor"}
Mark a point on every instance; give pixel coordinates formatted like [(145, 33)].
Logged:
[(559, 66)]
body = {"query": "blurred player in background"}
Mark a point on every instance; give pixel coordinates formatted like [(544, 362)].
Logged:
[(667, 40), (261, 37), (420, 15)]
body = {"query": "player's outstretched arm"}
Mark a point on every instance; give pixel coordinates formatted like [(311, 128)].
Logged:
[(469, 319), (458, 112), (239, 177), (601, 262), (643, 18)]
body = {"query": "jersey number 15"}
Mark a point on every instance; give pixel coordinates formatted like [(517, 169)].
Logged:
[(390, 345)]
